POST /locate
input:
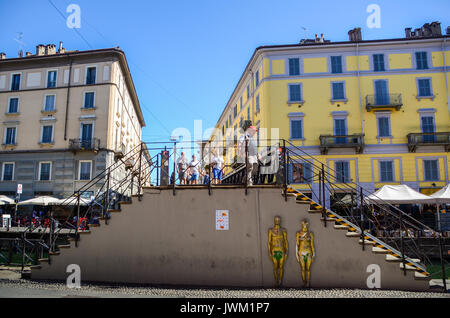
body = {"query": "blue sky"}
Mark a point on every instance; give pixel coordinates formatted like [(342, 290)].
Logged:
[(187, 56)]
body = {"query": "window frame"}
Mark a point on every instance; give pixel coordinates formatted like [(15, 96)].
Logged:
[(427, 60), (301, 93), (6, 135), (13, 170), (332, 92), (9, 104), (438, 178), (56, 79), (45, 103), (90, 170), (42, 133), (341, 64), (49, 172), (375, 64), (380, 176), (86, 74), (430, 81), (11, 81), (289, 66), (84, 99), (346, 178)]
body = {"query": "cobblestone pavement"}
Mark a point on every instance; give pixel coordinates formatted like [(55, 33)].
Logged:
[(11, 285)]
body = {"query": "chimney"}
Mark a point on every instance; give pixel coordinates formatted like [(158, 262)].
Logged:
[(355, 35), (20, 53), (408, 32), (436, 28), (61, 49), (2, 55), (448, 30), (50, 49), (28, 54), (40, 50), (321, 38), (418, 32)]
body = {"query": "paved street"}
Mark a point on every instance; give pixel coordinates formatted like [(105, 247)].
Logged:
[(11, 286)]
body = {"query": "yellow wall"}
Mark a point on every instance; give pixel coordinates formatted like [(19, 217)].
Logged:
[(278, 67), (352, 63), (397, 61), (315, 65)]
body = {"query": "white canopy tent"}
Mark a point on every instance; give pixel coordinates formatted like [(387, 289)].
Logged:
[(443, 195), (42, 200), (71, 201), (6, 200), (398, 194)]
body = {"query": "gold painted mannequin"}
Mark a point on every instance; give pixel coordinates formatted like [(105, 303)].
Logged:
[(278, 249), (305, 252)]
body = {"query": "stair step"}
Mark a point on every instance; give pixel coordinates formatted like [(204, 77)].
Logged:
[(379, 250), (367, 242), (36, 267), (329, 219), (84, 232), (419, 276), (299, 201), (408, 267), (340, 227), (315, 211), (291, 194), (124, 202), (114, 210), (65, 246), (392, 258), (43, 260), (352, 234), (94, 225), (54, 253)]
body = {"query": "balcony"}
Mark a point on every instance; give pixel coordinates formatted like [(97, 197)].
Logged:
[(428, 139), (350, 141), (383, 101), (84, 144)]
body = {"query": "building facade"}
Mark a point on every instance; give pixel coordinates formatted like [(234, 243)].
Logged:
[(65, 114), (376, 112)]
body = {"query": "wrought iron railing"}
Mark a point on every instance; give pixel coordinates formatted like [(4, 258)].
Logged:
[(348, 141), (84, 144), (428, 139), (384, 101)]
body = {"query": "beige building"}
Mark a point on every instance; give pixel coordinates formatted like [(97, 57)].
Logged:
[(65, 115)]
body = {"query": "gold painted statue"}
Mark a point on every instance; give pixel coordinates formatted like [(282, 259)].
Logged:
[(278, 249), (305, 252)]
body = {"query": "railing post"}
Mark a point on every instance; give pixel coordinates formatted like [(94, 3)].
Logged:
[(361, 221), (157, 172), (174, 165), (441, 249), (285, 168), (78, 218), (209, 168), (23, 250), (402, 243), (246, 167), (324, 214), (106, 207), (139, 175)]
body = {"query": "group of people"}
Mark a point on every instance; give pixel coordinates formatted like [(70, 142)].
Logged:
[(193, 173)]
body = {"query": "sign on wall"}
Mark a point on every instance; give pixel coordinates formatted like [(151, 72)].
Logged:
[(222, 220)]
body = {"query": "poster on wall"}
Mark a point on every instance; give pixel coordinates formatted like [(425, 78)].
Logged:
[(222, 220)]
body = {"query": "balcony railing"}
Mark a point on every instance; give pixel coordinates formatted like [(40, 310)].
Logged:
[(349, 141), (428, 139), (384, 101), (84, 144)]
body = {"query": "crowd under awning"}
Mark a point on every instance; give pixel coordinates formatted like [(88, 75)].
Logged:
[(399, 194)]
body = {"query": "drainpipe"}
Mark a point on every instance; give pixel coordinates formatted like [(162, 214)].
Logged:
[(359, 88), (67, 101), (445, 74)]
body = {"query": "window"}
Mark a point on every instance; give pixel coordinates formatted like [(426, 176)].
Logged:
[(8, 171), (295, 92), (241, 102), (10, 136), (47, 134), (257, 78), (427, 124), (294, 66), (89, 100), (248, 91), (248, 113), (241, 121), (257, 104), (15, 82), (86, 135), (386, 171), (235, 112), (340, 129), (90, 75), (431, 170), (342, 171), (383, 127), (381, 92), (300, 173), (424, 87), (44, 171), (378, 62), (85, 170), (338, 91), (51, 79), (421, 60), (49, 103), (336, 64), (296, 128), (13, 105)]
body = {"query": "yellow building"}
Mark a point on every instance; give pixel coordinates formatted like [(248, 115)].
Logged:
[(388, 100)]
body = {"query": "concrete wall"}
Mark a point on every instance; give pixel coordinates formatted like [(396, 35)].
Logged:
[(172, 240)]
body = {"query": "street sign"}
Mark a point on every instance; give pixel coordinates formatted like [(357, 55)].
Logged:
[(19, 188), (222, 220)]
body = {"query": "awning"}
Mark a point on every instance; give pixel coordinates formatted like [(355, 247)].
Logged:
[(443, 195), (6, 200), (71, 201), (43, 200), (398, 194)]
